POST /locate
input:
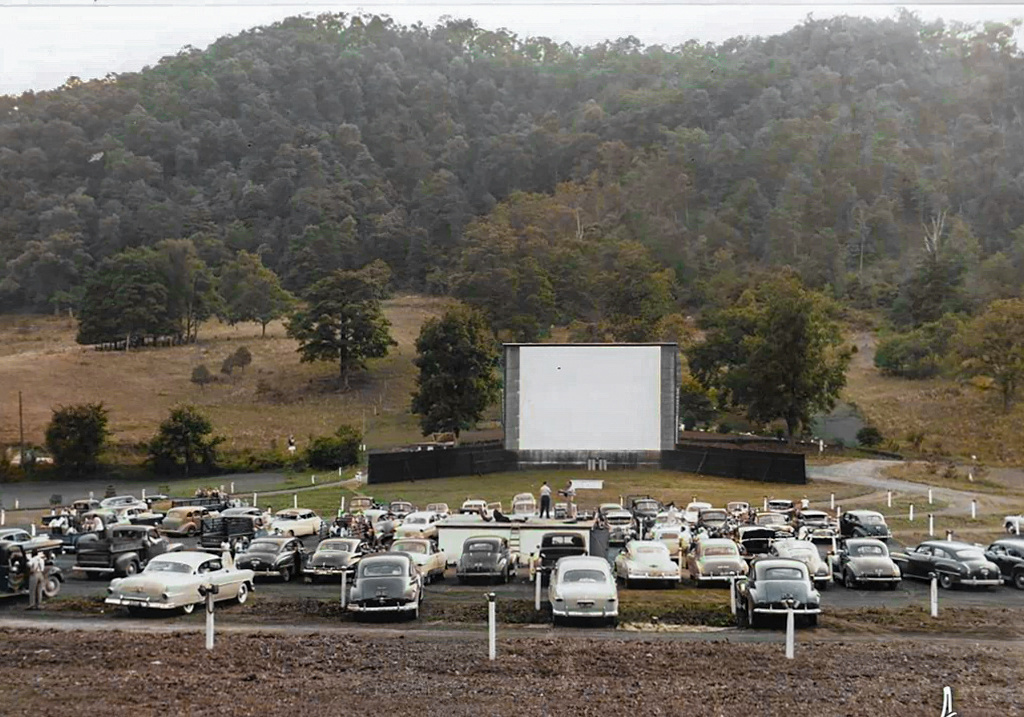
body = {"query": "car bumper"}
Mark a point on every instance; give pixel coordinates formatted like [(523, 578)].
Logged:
[(783, 610), (140, 602), (577, 611), (90, 569), (328, 572), (658, 578), (877, 578), (404, 607), (270, 572), (980, 581), (718, 578)]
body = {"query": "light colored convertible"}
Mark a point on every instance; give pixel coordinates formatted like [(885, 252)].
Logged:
[(583, 586), (646, 561), (172, 581)]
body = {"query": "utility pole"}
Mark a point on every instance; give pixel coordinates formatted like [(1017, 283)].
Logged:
[(21, 431)]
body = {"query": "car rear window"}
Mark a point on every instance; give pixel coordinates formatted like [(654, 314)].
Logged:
[(405, 547), (721, 550), (383, 569), (783, 574), (481, 547), (583, 576)]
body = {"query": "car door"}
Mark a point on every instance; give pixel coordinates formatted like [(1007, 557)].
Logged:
[(227, 581), (294, 550), (921, 561), (998, 554)]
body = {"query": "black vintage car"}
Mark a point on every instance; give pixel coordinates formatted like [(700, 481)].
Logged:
[(863, 524), (334, 557), (122, 550), (484, 557), (645, 510), (1008, 554), (714, 520), (273, 557), (755, 539), (953, 562), (772, 587), (387, 583), (14, 572), (554, 547)]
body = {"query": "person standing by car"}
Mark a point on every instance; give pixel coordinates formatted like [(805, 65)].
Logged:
[(36, 580), (545, 500)]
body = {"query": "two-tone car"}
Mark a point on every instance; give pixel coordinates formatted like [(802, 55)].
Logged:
[(865, 561), (430, 561), (816, 526), (807, 553), (333, 558), (186, 520), (485, 557), (646, 562), (176, 581), (401, 508), (1008, 554), (863, 524), (582, 586), (387, 583), (273, 556), (773, 587), (621, 526), (715, 560), (952, 563), (296, 522), (674, 537), (420, 524)]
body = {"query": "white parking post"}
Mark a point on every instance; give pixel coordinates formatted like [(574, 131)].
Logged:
[(839, 509), (790, 631), (209, 620), (91, 497), (766, 503), (1016, 527), (536, 590), (935, 595), (342, 504), (295, 500), (834, 551), (929, 496), (339, 471), (732, 592), (911, 516), (254, 500), (32, 529), (143, 494), (3, 517), (232, 487), (888, 497), (974, 509), (832, 501), (949, 535), (491, 627), (312, 480), (344, 589), (931, 525), (16, 503)]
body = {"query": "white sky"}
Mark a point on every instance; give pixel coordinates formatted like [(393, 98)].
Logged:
[(44, 43)]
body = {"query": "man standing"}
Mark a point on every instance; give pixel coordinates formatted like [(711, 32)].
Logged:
[(545, 500), (570, 496), (36, 580)]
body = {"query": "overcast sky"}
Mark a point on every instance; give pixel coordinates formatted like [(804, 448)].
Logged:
[(44, 43)]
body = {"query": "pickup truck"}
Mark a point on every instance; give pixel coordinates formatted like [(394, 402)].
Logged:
[(554, 546), (235, 530), (124, 550)]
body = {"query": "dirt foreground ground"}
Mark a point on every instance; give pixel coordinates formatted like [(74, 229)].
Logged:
[(110, 673)]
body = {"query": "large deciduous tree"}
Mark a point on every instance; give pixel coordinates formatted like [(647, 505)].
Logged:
[(191, 289), (184, 442), (777, 353), (252, 292), (343, 320), (457, 359), (992, 345), (75, 436)]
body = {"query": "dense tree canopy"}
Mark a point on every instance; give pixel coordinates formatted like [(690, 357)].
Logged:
[(75, 436)]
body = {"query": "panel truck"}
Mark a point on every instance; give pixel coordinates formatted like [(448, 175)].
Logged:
[(123, 551), (235, 530)]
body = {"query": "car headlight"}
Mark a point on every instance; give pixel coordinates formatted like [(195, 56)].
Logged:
[(895, 569)]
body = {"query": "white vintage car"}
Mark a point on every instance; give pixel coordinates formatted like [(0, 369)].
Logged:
[(173, 580), (439, 508), (807, 553), (646, 561), (1014, 524), (524, 504), (675, 537), (429, 560), (297, 522), (692, 512), (123, 501), (582, 586), (420, 524)]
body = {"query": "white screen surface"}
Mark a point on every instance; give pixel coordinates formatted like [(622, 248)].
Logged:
[(590, 398)]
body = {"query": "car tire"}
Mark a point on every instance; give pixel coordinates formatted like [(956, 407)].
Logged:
[(824, 585), (131, 569), (134, 611), (848, 582), (243, 594), (189, 609), (51, 586), (1018, 580), (286, 575), (893, 585), (191, 532), (945, 581)]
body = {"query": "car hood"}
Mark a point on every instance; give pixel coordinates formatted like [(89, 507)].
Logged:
[(981, 564), (389, 586), (778, 590)]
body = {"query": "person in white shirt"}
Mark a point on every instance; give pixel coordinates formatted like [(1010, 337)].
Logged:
[(36, 580), (545, 500)]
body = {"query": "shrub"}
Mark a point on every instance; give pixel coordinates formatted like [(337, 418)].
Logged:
[(201, 375), (241, 357), (920, 353), (341, 449), (869, 437), (228, 364)]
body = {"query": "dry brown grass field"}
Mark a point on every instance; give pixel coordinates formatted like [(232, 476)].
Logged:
[(957, 420), (273, 397)]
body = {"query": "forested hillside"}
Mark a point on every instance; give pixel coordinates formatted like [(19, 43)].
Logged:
[(549, 182)]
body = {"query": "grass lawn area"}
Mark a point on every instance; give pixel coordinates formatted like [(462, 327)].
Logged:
[(664, 485), (938, 476)]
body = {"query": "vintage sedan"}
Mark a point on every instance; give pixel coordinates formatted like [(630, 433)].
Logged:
[(485, 557), (524, 504), (816, 526), (674, 537), (692, 512), (582, 586), (646, 562), (1014, 524), (952, 562), (755, 540), (776, 521), (185, 520), (123, 501), (714, 520), (273, 556), (621, 526), (387, 583), (773, 586), (783, 506), (401, 508), (863, 524), (430, 561), (420, 524), (715, 559), (335, 557), (738, 509), (139, 516), (440, 509), (1008, 554), (296, 522), (865, 561), (807, 553), (173, 580)]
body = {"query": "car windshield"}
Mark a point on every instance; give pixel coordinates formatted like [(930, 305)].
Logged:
[(783, 574), (670, 536), (713, 515), (872, 520), (341, 546), (416, 521), (166, 566), (481, 547), (646, 505), (383, 569), (262, 546), (652, 550), (770, 520), (868, 551), (720, 550), (409, 547), (583, 576), (287, 516), (970, 554)]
